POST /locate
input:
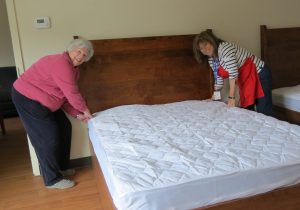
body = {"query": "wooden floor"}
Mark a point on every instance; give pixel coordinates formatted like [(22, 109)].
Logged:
[(19, 189)]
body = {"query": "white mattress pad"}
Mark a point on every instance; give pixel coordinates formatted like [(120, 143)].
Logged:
[(153, 147)]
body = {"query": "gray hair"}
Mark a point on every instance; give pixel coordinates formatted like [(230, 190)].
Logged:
[(81, 43)]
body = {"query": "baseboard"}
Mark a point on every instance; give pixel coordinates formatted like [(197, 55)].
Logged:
[(75, 163), (81, 162)]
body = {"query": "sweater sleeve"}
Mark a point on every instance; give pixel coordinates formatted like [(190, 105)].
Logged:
[(70, 110), (65, 76)]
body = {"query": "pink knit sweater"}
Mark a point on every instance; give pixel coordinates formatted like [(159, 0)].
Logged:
[(52, 81)]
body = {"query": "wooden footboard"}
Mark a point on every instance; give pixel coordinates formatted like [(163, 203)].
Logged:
[(281, 199), (286, 115)]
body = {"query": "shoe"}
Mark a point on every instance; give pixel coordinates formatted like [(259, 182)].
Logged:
[(62, 184), (68, 172)]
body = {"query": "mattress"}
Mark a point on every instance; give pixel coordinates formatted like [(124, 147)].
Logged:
[(287, 97), (191, 154)]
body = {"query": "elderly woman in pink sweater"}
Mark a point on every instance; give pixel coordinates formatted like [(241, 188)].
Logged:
[(40, 94)]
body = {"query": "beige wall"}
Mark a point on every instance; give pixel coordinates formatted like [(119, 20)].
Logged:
[(233, 20), (6, 50)]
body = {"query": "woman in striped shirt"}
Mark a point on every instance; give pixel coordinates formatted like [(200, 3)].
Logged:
[(228, 60)]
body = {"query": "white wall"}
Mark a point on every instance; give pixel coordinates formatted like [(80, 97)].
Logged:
[(6, 50), (233, 20)]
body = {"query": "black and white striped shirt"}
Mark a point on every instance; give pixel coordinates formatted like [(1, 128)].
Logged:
[(231, 58)]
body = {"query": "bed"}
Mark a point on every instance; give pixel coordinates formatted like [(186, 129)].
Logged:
[(280, 49), (130, 78)]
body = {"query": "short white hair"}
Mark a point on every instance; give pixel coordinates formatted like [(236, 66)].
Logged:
[(82, 43)]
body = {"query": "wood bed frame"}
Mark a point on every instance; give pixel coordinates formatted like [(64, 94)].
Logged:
[(156, 70), (280, 49)]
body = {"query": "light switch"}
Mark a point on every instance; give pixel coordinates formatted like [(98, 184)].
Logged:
[(42, 22)]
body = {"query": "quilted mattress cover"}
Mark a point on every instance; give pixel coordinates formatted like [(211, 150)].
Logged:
[(191, 154)]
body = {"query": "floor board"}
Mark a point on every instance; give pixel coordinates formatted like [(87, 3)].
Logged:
[(19, 189)]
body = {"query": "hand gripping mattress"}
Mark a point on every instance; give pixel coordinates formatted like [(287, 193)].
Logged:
[(191, 154)]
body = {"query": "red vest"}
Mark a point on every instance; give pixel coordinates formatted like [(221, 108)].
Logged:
[(248, 82)]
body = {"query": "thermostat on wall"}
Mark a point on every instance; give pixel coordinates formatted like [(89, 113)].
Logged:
[(42, 22)]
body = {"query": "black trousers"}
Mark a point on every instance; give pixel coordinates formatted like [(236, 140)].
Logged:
[(49, 133)]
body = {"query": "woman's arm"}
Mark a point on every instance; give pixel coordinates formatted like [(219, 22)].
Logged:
[(227, 53), (231, 98), (65, 77)]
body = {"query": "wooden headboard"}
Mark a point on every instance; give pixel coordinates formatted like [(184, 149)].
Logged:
[(280, 49), (149, 70)]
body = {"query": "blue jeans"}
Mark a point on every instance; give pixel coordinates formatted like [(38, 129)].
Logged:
[(264, 105), (49, 133)]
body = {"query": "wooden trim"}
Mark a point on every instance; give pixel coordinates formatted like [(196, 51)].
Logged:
[(263, 42)]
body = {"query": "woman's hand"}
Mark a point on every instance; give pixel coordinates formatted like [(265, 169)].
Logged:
[(85, 116)]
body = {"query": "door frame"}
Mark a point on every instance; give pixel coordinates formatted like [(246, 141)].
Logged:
[(19, 61)]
